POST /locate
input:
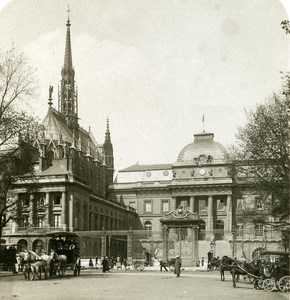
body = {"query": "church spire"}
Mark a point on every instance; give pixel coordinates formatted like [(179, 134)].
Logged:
[(68, 102), (108, 134)]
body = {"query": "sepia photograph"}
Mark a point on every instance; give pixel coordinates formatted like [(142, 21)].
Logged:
[(144, 149)]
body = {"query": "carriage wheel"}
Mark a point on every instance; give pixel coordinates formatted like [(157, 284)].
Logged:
[(284, 284), (260, 283), (269, 285)]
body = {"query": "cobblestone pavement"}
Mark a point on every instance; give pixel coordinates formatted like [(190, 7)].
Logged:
[(92, 284)]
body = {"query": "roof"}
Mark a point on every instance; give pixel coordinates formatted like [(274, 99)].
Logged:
[(55, 128), (203, 145), (139, 168)]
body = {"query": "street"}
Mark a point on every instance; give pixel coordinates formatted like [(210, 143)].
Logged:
[(93, 284)]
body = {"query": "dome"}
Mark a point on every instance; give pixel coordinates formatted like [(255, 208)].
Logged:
[(203, 148)]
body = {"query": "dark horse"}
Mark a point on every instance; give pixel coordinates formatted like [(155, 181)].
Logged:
[(252, 269)]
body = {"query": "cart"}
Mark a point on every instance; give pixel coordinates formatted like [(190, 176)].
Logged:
[(65, 244), (277, 266), (8, 257)]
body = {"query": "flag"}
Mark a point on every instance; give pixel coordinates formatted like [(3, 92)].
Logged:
[(203, 118)]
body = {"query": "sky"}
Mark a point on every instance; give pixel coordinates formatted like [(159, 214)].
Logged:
[(154, 67)]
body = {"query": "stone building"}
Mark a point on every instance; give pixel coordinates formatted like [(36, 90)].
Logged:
[(73, 172), (199, 184)]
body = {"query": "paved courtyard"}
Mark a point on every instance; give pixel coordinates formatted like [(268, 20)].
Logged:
[(92, 284)]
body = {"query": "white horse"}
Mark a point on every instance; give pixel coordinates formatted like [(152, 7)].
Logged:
[(33, 264), (59, 262)]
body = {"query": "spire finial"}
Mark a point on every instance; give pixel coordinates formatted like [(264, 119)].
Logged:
[(107, 135), (68, 11), (50, 90)]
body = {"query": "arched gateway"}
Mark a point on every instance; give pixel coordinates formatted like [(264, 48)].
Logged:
[(180, 236)]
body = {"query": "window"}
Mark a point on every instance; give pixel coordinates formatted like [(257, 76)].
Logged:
[(201, 204), (240, 229), (25, 199), (40, 222), (56, 200), (220, 204), (56, 220), (165, 206), (148, 226), (148, 206), (259, 230), (259, 203)]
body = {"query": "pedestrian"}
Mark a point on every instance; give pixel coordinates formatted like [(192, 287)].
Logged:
[(202, 261), (162, 265), (177, 266), (105, 264), (91, 263)]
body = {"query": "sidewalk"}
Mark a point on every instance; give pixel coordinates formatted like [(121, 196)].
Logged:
[(8, 273)]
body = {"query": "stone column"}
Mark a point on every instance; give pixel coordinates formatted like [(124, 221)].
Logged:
[(210, 217), (104, 244), (191, 204), (63, 210), (71, 213), (31, 210), (229, 214), (195, 245), (165, 243), (47, 209), (129, 247), (173, 203)]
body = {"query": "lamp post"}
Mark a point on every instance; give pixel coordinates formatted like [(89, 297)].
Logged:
[(234, 240), (212, 246)]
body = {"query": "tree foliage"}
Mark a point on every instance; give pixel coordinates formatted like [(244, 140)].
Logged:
[(260, 157), (17, 88)]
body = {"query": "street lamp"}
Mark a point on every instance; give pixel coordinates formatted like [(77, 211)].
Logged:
[(212, 246)]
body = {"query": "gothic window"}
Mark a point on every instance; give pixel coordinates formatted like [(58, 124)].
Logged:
[(240, 229), (259, 230), (56, 219), (56, 200), (40, 221), (259, 203)]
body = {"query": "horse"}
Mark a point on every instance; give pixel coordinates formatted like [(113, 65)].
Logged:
[(214, 264), (33, 264), (59, 263), (253, 269)]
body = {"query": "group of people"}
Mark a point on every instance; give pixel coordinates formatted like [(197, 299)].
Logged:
[(108, 263), (177, 266)]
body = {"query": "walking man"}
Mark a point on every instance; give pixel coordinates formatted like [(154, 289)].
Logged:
[(177, 266), (162, 265)]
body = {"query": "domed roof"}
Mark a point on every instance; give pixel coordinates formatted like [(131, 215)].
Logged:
[(203, 147)]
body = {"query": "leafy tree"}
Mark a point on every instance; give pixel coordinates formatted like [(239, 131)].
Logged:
[(17, 88), (260, 161)]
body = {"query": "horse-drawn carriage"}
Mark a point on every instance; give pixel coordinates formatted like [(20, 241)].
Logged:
[(65, 252), (8, 257), (62, 253), (276, 270)]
